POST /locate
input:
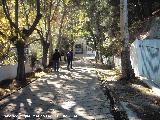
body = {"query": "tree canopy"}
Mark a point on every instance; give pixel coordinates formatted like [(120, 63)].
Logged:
[(59, 23)]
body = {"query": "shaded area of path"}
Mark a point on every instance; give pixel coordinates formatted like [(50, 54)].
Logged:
[(66, 95)]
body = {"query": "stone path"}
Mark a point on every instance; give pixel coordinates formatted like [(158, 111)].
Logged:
[(65, 95)]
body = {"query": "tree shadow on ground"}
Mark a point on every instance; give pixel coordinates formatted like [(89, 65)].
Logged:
[(61, 95)]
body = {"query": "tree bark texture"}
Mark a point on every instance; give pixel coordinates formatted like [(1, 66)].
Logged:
[(45, 53), (127, 71), (21, 77), (50, 37), (60, 29)]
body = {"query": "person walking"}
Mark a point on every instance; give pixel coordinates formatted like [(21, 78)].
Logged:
[(56, 58), (70, 59)]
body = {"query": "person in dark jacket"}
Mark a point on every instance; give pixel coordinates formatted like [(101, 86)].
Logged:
[(70, 59), (56, 59)]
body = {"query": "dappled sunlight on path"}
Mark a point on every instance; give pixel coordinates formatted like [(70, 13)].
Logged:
[(68, 95)]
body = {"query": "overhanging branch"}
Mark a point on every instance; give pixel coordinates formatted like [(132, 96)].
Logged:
[(33, 41), (6, 12), (39, 32), (28, 32)]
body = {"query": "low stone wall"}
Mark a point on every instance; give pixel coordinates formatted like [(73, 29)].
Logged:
[(10, 71)]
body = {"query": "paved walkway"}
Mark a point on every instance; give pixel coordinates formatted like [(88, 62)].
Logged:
[(65, 95)]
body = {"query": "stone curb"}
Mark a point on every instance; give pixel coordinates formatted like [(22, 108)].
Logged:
[(117, 110)]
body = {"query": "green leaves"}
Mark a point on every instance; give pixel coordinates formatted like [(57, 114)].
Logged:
[(66, 2)]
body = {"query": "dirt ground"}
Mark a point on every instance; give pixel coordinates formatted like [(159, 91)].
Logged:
[(138, 95), (10, 86)]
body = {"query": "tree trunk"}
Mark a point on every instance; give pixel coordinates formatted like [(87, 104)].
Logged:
[(49, 35), (50, 53), (65, 56), (50, 43), (101, 45), (95, 48), (60, 29), (101, 58), (99, 39), (45, 52), (50, 47), (127, 71), (97, 55), (21, 78)]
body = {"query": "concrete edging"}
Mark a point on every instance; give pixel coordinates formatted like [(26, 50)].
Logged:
[(117, 109)]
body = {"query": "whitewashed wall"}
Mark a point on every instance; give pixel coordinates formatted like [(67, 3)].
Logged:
[(135, 61), (145, 57), (10, 71)]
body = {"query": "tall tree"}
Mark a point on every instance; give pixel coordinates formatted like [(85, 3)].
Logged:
[(45, 28), (97, 12), (19, 38), (127, 71), (65, 2)]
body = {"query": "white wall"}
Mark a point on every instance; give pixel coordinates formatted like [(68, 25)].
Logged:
[(135, 61), (145, 58), (10, 71)]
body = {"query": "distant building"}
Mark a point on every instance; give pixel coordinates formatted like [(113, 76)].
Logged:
[(80, 46), (81, 49)]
